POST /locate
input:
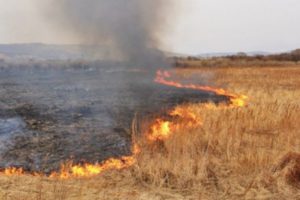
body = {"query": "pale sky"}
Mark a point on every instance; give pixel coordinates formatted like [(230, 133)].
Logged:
[(195, 26)]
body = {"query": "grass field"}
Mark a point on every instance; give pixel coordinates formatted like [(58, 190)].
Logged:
[(236, 153)]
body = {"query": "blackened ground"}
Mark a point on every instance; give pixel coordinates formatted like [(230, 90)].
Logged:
[(51, 115)]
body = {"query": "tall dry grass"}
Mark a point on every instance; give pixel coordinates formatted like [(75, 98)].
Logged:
[(231, 156)]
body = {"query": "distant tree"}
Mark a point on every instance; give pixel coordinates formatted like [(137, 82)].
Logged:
[(241, 54), (296, 52)]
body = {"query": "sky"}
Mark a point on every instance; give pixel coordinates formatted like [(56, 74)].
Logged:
[(194, 27)]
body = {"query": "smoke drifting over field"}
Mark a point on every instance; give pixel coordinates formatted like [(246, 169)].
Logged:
[(131, 28), (99, 97)]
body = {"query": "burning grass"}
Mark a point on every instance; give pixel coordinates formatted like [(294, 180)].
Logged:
[(205, 152)]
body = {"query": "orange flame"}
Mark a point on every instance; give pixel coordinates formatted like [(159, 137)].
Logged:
[(79, 171), (88, 170), (162, 129), (69, 170), (13, 171), (162, 77)]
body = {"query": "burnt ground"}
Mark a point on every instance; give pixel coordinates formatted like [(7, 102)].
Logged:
[(49, 115)]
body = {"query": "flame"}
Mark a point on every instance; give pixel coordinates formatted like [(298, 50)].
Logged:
[(69, 170), (161, 129), (13, 171), (89, 170), (79, 171), (163, 77)]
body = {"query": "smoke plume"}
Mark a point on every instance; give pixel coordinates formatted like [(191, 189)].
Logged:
[(132, 28)]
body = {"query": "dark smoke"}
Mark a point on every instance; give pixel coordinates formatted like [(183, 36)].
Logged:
[(132, 28), (84, 109)]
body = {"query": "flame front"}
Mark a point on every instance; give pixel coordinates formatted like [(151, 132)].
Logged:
[(163, 77), (13, 171), (88, 170), (160, 130)]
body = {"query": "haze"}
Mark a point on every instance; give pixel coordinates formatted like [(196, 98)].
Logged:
[(195, 26)]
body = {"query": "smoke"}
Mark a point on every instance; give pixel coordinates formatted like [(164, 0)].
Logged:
[(131, 28)]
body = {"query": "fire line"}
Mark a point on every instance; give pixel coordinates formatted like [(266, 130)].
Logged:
[(160, 130)]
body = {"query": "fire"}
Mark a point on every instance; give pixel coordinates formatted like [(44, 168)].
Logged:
[(191, 120), (89, 170), (238, 100), (13, 171), (69, 170), (161, 130), (163, 77)]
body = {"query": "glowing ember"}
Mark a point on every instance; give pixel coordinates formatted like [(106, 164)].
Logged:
[(136, 149)]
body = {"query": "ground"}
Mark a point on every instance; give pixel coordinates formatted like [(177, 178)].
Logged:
[(235, 153)]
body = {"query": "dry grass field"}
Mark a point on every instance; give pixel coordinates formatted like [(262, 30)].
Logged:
[(248, 152)]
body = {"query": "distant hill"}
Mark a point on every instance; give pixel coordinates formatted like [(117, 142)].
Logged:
[(52, 52), (39, 51), (252, 53), (217, 54), (241, 59)]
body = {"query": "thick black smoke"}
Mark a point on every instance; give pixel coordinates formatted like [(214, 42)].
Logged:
[(132, 28)]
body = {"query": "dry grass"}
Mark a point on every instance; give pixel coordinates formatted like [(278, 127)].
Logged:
[(197, 63), (236, 154)]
